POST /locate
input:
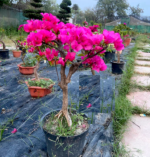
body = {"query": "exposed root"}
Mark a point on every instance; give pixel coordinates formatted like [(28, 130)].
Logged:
[(67, 116)]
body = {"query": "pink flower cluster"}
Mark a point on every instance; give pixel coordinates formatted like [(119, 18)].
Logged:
[(85, 23), (125, 24), (50, 31), (126, 35), (94, 28)]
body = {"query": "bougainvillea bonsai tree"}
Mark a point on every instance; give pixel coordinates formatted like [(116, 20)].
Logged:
[(55, 40)]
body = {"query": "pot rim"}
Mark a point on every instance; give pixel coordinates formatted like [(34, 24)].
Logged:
[(19, 65), (4, 50), (42, 119), (35, 87), (16, 51), (114, 62)]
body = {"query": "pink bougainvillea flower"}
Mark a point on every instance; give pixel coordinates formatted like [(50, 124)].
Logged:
[(70, 56), (84, 126), (21, 26), (14, 131), (41, 53), (89, 106), (61, 61), (0, 44), (125, 24)]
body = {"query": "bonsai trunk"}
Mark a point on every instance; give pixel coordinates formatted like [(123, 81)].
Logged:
[(118, 55), (3, 44), (23, 54), (35, 71), (93, 72)]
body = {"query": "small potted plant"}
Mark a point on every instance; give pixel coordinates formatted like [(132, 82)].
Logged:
[(124, 31), (109, 55), (4, 53), (127, 40), (16, 52), (28, 65), (118, 66), (61, 126)]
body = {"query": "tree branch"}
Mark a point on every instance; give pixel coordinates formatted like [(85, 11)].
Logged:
[(3, 44)]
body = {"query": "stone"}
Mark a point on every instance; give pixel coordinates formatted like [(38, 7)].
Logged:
[(140, 99), (141, 80), (144, 54), (143, 58), (142, 63), (142, 70), (137, 137)]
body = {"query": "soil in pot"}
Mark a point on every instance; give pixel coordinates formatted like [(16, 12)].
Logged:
[(61, 140), (4, 54), (40, 88), (117, 68), (109, 56), (26, 70), (16, 53)]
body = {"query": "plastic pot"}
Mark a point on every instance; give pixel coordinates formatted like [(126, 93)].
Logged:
[(4, 54), (109, 56), (26, 70), (74, 144), (117, 68), (127, 42), (16, 53), (37, 92)]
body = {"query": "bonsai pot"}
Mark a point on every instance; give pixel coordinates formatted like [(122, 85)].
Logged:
[(4, 54), (26, 70), (16, 53), (55, 149), (117, 68), (109, 56), (39, 91), (127, 42)]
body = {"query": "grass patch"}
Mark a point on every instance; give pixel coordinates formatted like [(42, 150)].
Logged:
[(123, 107)]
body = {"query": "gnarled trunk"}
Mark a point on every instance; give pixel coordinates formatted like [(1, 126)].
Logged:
[(3, 44), (118, 56), (93, 72), (35, 71)]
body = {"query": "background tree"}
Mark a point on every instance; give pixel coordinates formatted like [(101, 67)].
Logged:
[(50, 6), (111, 8), (136, 11), (75, 11), (65, 11), (34, 13), (3, 2)]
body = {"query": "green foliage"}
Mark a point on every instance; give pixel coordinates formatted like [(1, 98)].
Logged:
[(50, 6), (29, 61), (3, 2), (40, 83), (122, 30), (34, 13), (65, 11)]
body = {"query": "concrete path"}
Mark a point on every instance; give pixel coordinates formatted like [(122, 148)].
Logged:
[(137, 135)]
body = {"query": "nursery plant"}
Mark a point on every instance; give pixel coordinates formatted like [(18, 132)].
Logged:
[(56, 40), (4, 53), (28, 65)]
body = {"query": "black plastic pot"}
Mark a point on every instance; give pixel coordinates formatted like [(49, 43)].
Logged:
[(117, 68), (59, 146), (109, 56), (4, 54)]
